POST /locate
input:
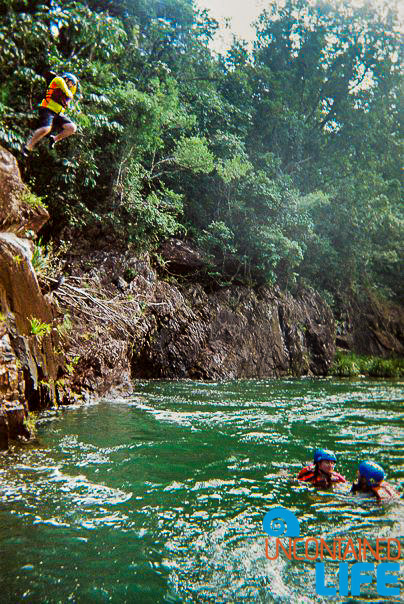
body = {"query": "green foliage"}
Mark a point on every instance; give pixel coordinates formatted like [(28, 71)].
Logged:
[(145, 220), (233, 169), (283, 162), (193, 153), (65, 327), (40, 258), (389, 368), (345, 365), (71, 365), (18, 259), (32, 200), (154, 218), (38, 328), (256, 228), (348, 364), (30, 422), (218, 241)]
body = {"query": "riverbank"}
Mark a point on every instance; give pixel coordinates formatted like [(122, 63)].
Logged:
[(116, 315), (349, 364)]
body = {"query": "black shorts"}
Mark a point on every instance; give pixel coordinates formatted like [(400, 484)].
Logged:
[(50, 118)]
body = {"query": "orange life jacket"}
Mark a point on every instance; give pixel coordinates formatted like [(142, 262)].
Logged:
[(308, 474), (384, 491), (58, 95)]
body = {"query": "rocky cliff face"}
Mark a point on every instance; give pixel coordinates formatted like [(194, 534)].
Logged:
[(128, 322), (234, 333), (29, 366), (372, 327), (186, 330)]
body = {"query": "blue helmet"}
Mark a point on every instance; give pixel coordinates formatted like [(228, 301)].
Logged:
[(324, 455), (372, 472), (70, 76)]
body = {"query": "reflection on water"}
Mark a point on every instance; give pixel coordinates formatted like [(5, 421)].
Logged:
[(160, 498)]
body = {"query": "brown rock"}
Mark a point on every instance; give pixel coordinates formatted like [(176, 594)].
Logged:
[(16, 414), (181, 257), (372, 326), (27, 362), (235, 333), (16, 214), (186, 331), (3, 429), (20, 293)]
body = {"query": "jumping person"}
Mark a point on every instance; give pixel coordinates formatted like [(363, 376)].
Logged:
[(371, 481), (321, 472), (59, 94)]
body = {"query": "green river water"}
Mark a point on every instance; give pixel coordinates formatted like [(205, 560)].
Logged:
[(160, 497)]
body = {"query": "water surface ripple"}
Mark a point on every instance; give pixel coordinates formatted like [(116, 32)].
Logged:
[(160, 497)]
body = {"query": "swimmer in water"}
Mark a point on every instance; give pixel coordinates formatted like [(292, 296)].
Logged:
[(321, 473), (371, 481)]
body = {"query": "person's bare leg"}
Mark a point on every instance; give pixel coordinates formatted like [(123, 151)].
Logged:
[(68, 130), (37, 136)]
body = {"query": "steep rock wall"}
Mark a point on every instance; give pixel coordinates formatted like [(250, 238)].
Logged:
[(233, 333), (186, 330), (29, 366), (371, 326)]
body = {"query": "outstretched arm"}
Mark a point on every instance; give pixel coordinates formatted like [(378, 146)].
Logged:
[(60, 83)]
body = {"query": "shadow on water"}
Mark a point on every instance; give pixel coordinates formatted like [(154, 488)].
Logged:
[(161, 497)]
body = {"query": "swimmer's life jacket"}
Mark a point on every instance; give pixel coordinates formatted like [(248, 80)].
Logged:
[(308, 474), (58, 95), (384, 491)]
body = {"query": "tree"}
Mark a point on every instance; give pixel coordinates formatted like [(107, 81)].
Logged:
[(282, 162)]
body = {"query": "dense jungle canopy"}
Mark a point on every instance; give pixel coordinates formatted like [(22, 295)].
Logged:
[(281, 161)]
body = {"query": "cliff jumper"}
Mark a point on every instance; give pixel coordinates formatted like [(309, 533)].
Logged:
[(59, 94)]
